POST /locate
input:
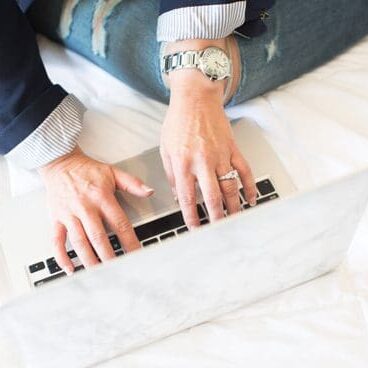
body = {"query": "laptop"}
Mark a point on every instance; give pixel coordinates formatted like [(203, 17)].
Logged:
[(179, 281), (24, 225)]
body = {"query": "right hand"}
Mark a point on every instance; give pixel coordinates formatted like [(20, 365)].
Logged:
[(80, 194)]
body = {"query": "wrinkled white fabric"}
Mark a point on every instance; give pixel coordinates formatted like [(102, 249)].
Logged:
[(318, 125)]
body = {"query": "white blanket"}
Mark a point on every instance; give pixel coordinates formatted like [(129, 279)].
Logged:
[(318, 124)]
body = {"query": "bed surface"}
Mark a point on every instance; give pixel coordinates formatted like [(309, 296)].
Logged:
[(318, 125)]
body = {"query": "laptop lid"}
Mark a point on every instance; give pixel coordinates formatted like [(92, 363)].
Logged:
[(158, 291)]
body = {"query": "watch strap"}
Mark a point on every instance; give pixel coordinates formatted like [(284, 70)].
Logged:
[(181, 60)]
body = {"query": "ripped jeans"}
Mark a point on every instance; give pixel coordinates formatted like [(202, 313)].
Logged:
[(120, 37)]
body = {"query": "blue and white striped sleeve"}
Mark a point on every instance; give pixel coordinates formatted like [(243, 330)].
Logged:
[(199, 19), (56, 136)]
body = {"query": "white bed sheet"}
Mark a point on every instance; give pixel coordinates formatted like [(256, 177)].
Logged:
[(318, 125)]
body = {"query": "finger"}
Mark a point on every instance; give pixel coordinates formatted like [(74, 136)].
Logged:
[(96, 234), (229, 189), (185, 188), (246, 176), (128, 183), (211, 193), (61, 255), (80, 243), (120, 224), (169, 173)]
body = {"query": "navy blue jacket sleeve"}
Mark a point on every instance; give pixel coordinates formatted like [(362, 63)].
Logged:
[(27, 96)]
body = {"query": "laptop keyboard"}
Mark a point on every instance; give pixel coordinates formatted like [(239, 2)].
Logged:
[(150, 233)]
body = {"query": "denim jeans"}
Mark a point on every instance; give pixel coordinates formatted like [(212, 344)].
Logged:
[(302, 34)]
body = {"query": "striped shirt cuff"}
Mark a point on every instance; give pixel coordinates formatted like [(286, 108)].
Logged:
[(201, 22), (55, 137)]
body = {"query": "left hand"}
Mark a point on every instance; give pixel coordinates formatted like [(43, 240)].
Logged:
[(197, 145)]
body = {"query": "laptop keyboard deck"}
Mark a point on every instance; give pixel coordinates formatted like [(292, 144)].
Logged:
[(150, 233)]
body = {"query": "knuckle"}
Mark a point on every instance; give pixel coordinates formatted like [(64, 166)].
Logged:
[(97, 237), (82, 210), (100, 194), (123, 225), (204, 154), (71, 221), (181, 158), (79, 242), (188, 200), (214, 199), (230, 189)]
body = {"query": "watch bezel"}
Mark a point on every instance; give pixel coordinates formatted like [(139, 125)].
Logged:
[(202, 65)]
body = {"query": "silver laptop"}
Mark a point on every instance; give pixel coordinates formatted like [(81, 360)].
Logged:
[(25, 230), (177, 281)]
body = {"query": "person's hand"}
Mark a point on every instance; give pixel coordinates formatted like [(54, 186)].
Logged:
[(81, 198), (197, 145)]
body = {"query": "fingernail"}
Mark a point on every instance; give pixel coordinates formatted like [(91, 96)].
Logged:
[(147, 188), (69, 270), (253, 202)]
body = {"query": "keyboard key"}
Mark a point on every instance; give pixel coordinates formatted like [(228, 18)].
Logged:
[(182, 230), (114, 242), (168, 235), (53, 267), (50, 260), (119, 253), (36, 267), (200, 211), (78, 268), (149, 242), (204, 222), (241, 190), (265, 187), (268, 198), (159, 226), (246, 206), (48, 279), (72, 254)]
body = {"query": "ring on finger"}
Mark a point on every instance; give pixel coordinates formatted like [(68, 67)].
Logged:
[(231, 175)]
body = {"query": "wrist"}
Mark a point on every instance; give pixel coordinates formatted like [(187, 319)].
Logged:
[(189, 82), (59, 162)]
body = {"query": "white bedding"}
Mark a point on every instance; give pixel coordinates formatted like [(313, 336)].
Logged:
[(318, 124)]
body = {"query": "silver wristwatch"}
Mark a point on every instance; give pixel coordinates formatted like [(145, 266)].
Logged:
[(213, 62)]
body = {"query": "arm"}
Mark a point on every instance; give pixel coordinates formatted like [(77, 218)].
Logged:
[(39, 127), (33, 127), (197, 144)]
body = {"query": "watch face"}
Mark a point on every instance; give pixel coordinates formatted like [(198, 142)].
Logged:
[(215, 63)]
